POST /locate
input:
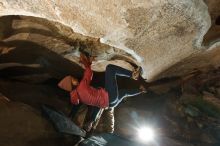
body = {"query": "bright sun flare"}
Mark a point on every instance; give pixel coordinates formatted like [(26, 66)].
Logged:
[(146, 134)]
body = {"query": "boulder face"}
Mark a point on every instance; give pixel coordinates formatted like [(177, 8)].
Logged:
[(165, 37)]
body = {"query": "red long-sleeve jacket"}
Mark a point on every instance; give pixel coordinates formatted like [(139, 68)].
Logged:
[(87, 94)]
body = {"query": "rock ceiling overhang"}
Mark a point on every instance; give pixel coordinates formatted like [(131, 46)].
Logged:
[(165, 37)]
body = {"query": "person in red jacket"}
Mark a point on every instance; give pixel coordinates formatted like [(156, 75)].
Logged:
[(108, 97)]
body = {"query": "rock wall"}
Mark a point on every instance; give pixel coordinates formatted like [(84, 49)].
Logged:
[(159, 34)]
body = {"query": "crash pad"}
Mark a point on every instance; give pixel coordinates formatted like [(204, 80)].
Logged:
[(108, 139), (62, 123)]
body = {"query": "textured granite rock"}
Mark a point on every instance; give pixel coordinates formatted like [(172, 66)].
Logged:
[(161, 35)]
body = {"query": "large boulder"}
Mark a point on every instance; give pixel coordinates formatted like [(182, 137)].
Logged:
[(161, 36)]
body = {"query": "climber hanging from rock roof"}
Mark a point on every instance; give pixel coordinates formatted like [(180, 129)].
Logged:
[(101, 98)]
